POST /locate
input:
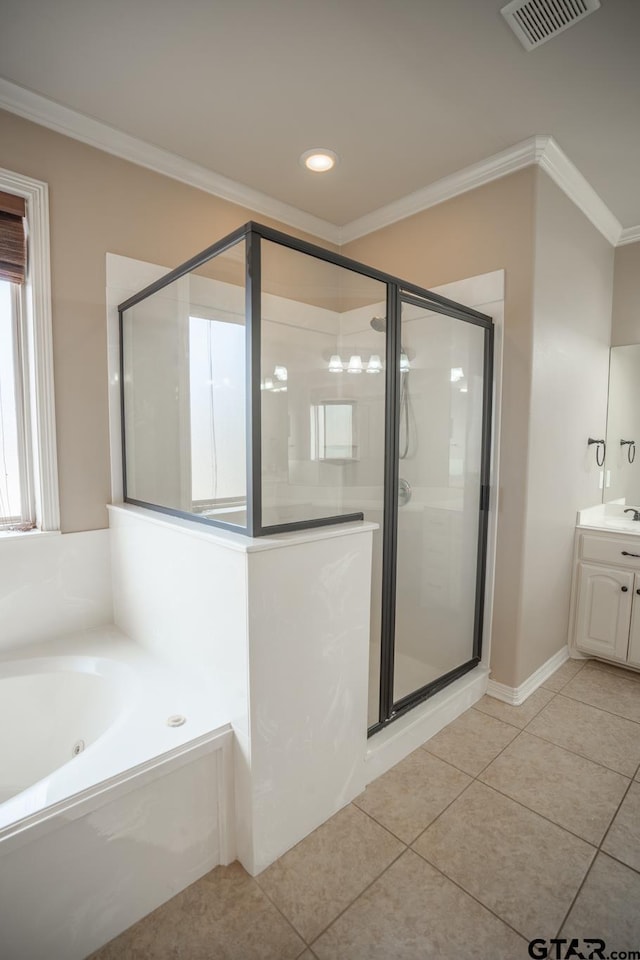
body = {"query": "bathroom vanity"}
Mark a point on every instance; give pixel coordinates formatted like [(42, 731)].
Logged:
[(605, 596)]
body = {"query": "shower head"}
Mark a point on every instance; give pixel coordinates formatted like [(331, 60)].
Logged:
[(379, 324)]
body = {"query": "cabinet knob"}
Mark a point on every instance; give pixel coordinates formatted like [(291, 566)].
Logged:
[(638, 592), (624, 589)]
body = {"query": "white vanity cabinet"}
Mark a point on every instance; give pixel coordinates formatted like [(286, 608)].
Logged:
[(633, 656), (606, 597)]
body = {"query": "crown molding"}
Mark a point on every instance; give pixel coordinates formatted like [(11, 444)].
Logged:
[(521, 155), (567, 176), (539, 150), (72, 124), (542, 151), (629, 235)]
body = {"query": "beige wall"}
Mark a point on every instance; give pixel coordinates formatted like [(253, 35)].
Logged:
[(573, 287), (101, 204), (491, 228), (626, 296)]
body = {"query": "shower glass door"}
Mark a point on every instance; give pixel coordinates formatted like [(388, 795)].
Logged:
[(443, 404)]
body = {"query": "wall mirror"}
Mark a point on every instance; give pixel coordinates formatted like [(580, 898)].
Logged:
[(622, 465)]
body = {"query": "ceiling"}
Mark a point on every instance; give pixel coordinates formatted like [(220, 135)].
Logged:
[(405, 91)]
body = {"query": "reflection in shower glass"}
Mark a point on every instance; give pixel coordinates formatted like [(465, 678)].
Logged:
[(333, 430), (217, 404), (323, 437), (184, 393), (441, 439), (322, 414)]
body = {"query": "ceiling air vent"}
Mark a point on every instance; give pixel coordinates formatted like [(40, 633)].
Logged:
[(536, 21)]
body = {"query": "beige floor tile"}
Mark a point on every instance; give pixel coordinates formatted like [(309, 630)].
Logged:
[(625, 672), (409, 796), (607, 907), (224, 915), (414, 913), (575, 793), (326, 871), (472, 741), (563, 674), (521, 866), (593, 733), (517, 716), (623, 839), (606, 690)]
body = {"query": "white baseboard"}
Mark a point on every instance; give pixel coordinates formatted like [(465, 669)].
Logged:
[(517, 695)]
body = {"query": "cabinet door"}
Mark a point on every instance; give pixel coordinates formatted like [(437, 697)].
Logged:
[(634, 635), (604, 611)]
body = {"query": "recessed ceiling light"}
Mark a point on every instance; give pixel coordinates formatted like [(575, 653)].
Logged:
[(319, 160)]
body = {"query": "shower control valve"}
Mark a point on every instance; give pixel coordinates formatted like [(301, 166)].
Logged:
[(404, 492)]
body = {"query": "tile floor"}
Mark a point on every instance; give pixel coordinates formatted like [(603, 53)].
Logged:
[(512, 823)]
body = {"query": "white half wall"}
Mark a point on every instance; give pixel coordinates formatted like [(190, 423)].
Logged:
[(277, 629), (309, 653), (180, 590)]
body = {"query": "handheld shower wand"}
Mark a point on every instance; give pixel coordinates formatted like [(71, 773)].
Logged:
[(379, 324)]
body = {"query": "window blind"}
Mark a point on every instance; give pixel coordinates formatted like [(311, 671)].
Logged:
[(13, 238)]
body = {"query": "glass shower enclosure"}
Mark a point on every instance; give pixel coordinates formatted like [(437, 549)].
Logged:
[(270, 385)]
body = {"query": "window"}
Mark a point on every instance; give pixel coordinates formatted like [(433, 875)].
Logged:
[(217, 414), (16, 506), (28, 467), (333, 431)]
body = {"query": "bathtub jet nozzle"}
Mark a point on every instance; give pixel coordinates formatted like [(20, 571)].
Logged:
[(176, 720)]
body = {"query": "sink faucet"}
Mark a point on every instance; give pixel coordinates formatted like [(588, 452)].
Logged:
[(636, 513)]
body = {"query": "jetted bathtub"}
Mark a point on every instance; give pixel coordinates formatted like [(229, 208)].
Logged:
[(114, 791), (52, 709)]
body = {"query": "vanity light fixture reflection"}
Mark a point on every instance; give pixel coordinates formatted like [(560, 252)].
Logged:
[(278, 382), (277, 387), (405, 366), (356, 364)]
